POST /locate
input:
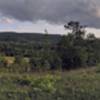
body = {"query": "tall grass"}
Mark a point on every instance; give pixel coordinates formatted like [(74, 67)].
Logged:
[(83, 84)]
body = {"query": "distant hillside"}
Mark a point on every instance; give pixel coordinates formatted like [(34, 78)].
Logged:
[(26, 44), (28, 37)]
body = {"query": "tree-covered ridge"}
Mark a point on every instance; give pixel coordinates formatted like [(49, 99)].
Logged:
[(28, 37)]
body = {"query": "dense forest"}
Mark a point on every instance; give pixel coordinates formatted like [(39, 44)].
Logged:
[(29, 52)]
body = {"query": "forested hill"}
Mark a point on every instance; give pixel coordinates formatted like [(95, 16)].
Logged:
[(28, 37)]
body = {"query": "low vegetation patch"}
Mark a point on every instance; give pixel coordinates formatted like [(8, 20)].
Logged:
[(80, 84)]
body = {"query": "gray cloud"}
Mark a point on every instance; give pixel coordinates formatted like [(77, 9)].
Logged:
[(54, 11)]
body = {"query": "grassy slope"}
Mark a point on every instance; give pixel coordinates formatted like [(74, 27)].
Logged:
[(83, 84)]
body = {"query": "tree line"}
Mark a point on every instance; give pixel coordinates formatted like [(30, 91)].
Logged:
[(48, 52)]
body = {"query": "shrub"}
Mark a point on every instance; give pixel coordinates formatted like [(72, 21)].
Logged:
[(98, 68), (46, 84)]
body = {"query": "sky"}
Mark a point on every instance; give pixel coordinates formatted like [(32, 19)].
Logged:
[(51, 15)]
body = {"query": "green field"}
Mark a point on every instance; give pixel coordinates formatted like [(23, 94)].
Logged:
[(82, 84)]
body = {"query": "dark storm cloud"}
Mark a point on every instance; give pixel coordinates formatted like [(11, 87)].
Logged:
[(54, 11)]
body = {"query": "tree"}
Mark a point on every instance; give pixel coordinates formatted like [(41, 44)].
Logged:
[(91, 37), (71, 47), (77, 30), (92, 49)]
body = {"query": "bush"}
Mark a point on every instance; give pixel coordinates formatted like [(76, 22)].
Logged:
[(98, 68), (46, 84)]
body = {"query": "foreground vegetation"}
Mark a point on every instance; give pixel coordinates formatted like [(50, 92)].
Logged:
[(82, 84)]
